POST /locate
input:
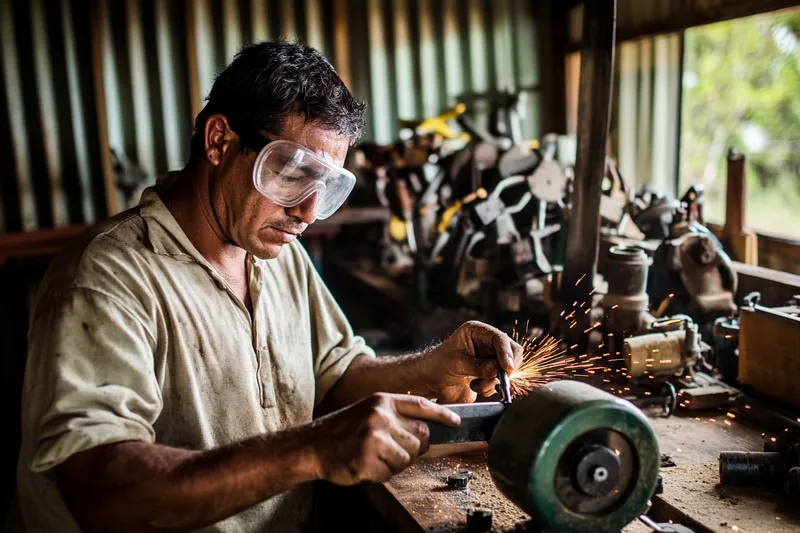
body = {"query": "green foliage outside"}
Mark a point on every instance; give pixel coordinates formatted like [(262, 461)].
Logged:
[(741, 88)]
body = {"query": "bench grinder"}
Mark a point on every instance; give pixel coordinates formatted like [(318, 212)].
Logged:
[(572, 456)]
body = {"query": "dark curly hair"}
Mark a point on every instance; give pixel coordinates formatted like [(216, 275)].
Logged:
[(268, 81)]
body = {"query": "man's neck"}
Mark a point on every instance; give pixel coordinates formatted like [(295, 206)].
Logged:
[(189, 202)]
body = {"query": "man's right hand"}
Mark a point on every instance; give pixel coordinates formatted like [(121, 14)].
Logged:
[(375, 438)]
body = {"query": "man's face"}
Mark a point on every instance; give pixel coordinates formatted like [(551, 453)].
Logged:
[(254, 222)]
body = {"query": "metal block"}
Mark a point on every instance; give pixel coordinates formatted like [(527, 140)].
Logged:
[(704, 398), (477, 423)]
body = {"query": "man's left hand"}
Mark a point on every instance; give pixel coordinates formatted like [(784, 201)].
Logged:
[(465, 364)]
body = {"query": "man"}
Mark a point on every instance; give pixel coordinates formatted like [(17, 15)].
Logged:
[(180, 350)]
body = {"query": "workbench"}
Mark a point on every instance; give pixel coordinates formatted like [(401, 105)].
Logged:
[(418, 500)]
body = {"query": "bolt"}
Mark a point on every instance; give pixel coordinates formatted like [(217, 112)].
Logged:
[(600, 474)]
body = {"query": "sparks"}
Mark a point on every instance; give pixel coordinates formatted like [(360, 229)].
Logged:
[(591, 328), (543, 360), (579, 280)]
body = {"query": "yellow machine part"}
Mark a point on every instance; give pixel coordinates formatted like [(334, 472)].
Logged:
[(438, 124), (397, 229)]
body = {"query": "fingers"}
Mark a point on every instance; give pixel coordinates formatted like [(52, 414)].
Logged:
[(419, 407), (485, 387), (504, 350), (393, 454), (412, 435), (491, 342)]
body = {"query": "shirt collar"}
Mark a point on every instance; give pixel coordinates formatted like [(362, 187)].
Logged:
[(165, 235)]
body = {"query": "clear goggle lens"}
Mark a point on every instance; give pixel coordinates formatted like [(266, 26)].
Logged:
[(288, 173)]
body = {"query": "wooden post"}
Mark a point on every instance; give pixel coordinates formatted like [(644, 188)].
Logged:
[(594, 104), (191, 60), (743, 242), (341, 40), (111, 194)]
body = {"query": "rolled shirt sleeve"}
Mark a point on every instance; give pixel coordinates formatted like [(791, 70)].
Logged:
[(335, 344), (90, 378)]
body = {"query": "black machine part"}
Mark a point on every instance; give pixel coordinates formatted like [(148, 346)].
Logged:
[(791, 484), (591, 470), (750, 468), (477, 423), (459, 480)]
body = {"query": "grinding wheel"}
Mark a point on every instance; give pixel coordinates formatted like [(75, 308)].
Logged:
[(575, 458)]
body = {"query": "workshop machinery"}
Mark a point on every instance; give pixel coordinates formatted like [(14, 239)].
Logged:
[(626, 303), (691, 273), (777, 470), (572, 456)]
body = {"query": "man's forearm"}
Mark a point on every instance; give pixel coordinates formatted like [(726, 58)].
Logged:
[(156, 488), (367, 375)]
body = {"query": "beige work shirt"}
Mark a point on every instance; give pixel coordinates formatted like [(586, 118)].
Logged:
[(136, 337)]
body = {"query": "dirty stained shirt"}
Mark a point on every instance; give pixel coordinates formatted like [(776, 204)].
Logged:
[(136, 337)]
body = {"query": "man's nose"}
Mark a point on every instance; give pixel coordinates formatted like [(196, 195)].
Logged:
[(305, 210)]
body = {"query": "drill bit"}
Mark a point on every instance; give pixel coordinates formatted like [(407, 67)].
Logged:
[(505, 385)]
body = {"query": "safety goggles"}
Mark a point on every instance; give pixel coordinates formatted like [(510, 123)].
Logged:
[(288, 173)]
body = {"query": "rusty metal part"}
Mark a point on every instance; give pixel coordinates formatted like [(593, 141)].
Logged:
[(750, 468), (626, 302), (663, 353), (706, 398), (705, 274)]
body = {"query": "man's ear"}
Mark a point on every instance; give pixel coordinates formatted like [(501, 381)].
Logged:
[(218, 136)]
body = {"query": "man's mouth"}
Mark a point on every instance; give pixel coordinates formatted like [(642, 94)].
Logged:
[(286, 234)]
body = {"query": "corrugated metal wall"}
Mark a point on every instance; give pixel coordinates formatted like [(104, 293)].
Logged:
[(80, 76), (51, 172)]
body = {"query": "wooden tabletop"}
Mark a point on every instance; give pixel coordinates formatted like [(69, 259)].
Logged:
[(418, 499)]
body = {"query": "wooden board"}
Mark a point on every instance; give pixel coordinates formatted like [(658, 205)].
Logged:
[(769, 344), (418, 500)]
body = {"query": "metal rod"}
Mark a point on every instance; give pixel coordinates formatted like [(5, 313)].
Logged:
[(594, 104)]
